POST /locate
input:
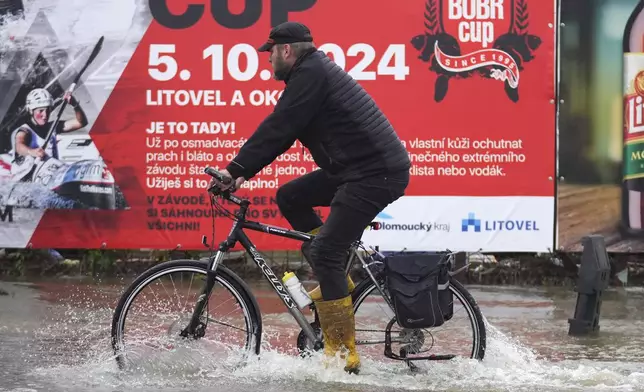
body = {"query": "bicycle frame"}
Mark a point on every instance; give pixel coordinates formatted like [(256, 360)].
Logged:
[(237, 234), (308, 335)]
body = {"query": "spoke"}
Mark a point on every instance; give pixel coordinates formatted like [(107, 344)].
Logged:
[(189, 287), (225, 324)]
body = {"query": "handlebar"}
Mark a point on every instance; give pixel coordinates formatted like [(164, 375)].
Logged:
[(226, 181), (217, 175)]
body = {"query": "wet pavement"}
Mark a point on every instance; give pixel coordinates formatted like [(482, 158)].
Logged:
[(54, 336)]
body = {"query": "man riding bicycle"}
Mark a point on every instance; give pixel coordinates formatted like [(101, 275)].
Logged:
[(363, 168)]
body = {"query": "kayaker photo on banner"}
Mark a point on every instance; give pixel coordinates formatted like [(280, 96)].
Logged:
[(47, 158), (33, 141)]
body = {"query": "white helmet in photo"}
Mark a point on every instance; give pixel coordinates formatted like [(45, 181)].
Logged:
[(39, 98)]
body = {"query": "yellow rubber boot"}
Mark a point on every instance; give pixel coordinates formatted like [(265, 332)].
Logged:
[(316, 293), (339, 331)]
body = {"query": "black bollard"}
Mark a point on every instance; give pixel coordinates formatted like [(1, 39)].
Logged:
[(594, 272)]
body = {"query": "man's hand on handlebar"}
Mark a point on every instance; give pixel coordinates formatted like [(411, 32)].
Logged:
[(229, 185)]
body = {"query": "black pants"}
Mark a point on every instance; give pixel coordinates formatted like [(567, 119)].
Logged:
[(353, 206)]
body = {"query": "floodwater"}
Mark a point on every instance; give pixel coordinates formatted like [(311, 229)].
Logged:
[(54, 336)]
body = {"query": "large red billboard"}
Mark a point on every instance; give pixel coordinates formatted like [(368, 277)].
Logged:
[(468, 85)]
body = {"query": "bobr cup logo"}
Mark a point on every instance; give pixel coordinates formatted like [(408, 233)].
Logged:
[(487, 38)]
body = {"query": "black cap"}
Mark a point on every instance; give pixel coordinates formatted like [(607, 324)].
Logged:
[(287, 33)]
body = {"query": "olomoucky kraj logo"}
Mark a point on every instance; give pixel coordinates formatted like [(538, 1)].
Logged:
[(475, 23)]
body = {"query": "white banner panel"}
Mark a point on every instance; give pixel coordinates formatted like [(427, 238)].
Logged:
[(488, 224)]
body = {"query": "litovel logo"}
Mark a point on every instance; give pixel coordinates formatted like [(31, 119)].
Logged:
[(474, 224), (471, 221)]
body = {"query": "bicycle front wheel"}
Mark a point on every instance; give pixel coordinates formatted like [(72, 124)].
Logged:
[(155, 308), (464, 335)]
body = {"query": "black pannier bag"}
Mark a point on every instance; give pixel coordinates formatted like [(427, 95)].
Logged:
[(418, 284)]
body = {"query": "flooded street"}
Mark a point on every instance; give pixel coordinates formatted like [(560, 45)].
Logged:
[(54, 336)]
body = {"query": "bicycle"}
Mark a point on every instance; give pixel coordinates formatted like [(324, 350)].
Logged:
[(310, 336)]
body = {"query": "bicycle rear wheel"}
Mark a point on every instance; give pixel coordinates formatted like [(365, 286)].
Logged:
[(169, 284), (372, 315)]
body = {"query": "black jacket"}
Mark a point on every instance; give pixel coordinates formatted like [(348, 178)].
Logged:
[(334, 117)]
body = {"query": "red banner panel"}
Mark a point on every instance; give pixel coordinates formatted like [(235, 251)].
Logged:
[(469, 86)]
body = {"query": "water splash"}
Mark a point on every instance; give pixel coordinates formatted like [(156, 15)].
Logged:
[(508, 366)]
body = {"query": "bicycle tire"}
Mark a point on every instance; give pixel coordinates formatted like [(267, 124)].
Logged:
[(224, 276), (479, 346)]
